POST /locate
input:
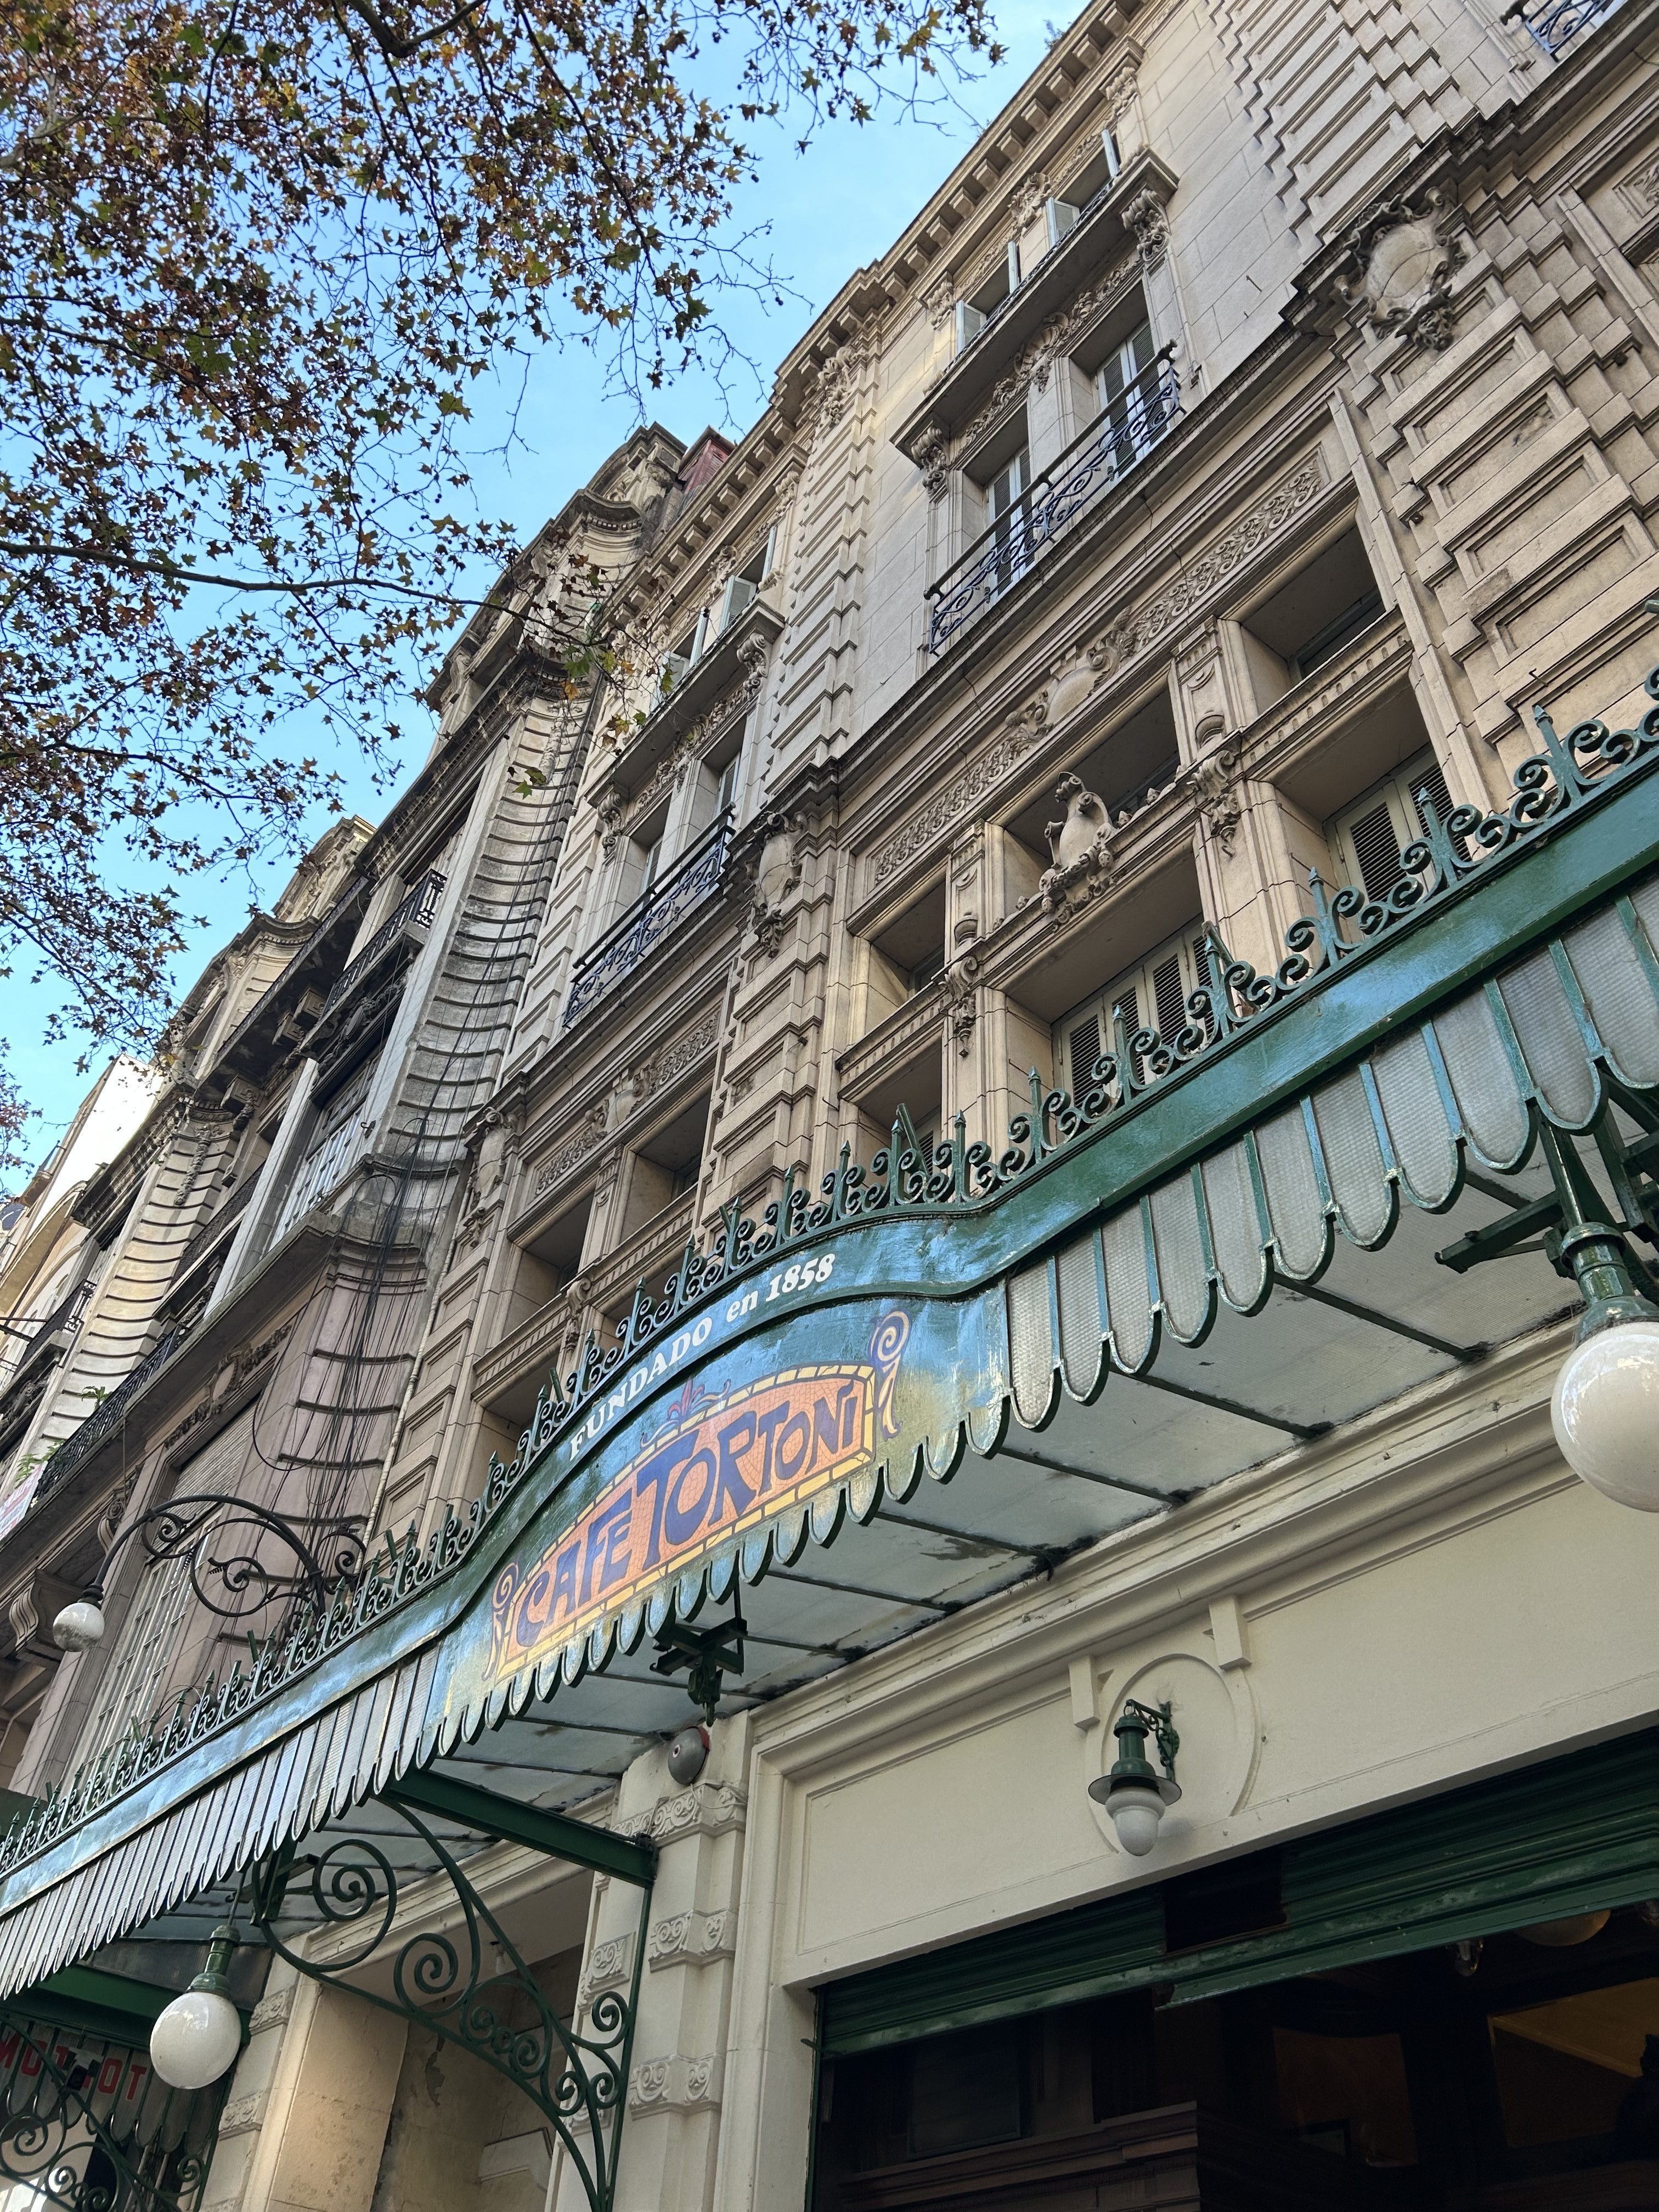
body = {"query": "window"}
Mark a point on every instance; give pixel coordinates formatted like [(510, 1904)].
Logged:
[(651, 864), (1153, 994), (132, 1689), (984, 305), (744, 588), (1064, 215), (677, 664), (147, 1660), (909, 953), (1128, 395), (1311, 618), (725, 790), (335, 1144), (1004, 505), (667, 1164), (1340, 631), (1368, 837)]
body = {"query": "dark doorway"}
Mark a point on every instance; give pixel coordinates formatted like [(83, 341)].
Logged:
[(1521, 2073)]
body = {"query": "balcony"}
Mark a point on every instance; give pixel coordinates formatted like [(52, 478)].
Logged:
[(677, 893), (106, 1416), (1108, 450), (21, 1391), (1554, 24), (733, 662), (1097, 255), (407, 925)]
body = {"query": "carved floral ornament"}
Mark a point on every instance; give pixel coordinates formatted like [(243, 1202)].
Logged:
[(1146, 217), (1398, 269)]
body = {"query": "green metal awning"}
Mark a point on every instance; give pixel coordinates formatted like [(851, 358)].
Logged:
[(884, 1402)]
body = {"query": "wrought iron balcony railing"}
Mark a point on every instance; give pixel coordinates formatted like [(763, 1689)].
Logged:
[(1556, 23), (105, 1414), (413, 915), (1106, 451), (677, 892)]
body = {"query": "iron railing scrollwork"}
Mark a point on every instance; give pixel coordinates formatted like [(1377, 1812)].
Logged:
[(1554, 24), (466, 1982), (1585, 766), (226, 1542), (677, 892), (1128, 430), (415, 910), (106, 1414), (87, 2125)]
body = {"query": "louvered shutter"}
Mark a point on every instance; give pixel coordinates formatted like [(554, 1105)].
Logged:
[(1169, 996), (1084, 1049), (1377, 848)]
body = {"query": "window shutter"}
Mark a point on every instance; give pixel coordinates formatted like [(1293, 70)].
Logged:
[(1169, 996), (1376, 849), (1084, 1052)]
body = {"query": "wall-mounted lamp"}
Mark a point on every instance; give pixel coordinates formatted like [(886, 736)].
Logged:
[(197, 2038), (221, 1537), (1135, 1796)]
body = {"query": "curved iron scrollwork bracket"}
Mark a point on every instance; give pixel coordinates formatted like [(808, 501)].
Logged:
[(468, 1983), (232, 1581), (59, 2093)]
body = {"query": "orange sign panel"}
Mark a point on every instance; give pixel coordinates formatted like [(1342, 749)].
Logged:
[(718, 1468)]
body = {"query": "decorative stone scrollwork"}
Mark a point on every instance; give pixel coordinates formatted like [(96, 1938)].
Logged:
[(1398, 266), (933, 457), (610, 808), (1216, 787), (960, 986), (777, 872), (1146, 219), (752, 656), (940, 301), (1081, 845)]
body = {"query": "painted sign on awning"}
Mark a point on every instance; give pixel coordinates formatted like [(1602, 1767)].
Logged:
[(758, 1449), (717, 1467)]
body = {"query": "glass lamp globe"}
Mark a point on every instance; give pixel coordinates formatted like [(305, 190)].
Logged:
[(1135, 1811), (79, 1626), (197, 2038), (1606, 1412)]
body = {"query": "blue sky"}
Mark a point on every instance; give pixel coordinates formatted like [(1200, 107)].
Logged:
[(830, 209)]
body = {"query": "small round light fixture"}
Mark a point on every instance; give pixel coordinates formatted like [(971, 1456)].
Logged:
[(80, 1625), (688, 1754), (1605, 1409), (198, 2037), (1562, 1934), (1136, 1797)]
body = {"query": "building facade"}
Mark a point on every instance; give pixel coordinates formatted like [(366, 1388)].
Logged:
[(821, 1471)]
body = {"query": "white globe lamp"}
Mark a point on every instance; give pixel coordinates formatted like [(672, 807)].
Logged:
[(80, 1625), (197, 2038), (1605, 1409)]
